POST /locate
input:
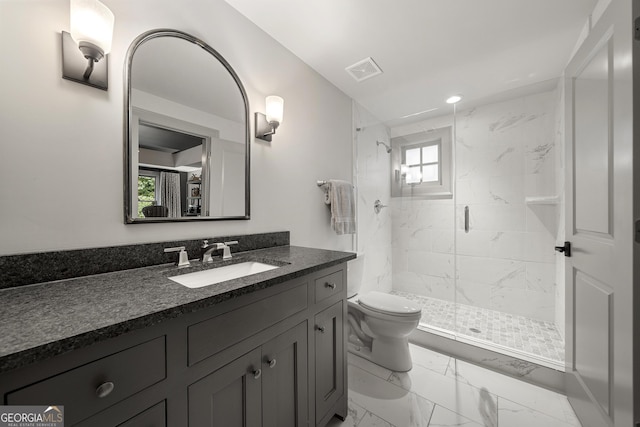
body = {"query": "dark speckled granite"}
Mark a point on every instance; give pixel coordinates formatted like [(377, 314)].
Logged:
[(41, 321), (27, 269)]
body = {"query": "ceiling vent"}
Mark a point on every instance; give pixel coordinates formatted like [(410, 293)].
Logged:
[(363, 70)]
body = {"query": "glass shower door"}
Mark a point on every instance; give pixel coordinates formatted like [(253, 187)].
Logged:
[(423, 221), (506, 225)]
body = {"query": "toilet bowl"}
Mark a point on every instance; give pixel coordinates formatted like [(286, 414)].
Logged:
[(379, 327)]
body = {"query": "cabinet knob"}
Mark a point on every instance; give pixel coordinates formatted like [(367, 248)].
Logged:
[(320, 328), (257, 373), (330, 285), (105, 389), (272, 363)]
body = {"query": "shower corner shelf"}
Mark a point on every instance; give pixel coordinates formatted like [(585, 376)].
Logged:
[(542, 200)]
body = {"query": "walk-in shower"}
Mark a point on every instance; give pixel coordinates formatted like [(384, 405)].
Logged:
[(479, 255)]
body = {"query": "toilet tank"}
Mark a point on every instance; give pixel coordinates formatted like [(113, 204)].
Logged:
[(355, 275)]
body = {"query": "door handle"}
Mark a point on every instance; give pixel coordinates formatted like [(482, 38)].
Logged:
[(466, 219), (566, 249)]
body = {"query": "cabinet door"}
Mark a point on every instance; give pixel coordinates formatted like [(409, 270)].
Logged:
[(230, 396), (284, 382), (329, 358)]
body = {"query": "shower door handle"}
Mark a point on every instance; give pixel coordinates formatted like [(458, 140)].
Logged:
[(466, 219)]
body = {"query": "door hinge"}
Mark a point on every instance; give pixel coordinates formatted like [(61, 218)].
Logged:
[(636, 24), (566, 249), (638, 234)]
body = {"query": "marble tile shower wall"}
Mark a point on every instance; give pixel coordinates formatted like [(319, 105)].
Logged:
[(373, 267), (505, 152)]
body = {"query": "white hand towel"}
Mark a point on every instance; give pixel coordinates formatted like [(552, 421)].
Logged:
[(343, 210)]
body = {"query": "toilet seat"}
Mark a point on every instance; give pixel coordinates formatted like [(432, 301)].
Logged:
[(389, 304)]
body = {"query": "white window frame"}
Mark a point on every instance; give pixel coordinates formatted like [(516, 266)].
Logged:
[(441, 189)]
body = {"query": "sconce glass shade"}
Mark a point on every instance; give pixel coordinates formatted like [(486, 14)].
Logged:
[(274, 109), (92, 22)]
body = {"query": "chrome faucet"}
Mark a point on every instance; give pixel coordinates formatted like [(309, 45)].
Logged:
[(209, 248)]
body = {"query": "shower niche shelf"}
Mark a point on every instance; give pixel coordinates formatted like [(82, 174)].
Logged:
[(542, 200)]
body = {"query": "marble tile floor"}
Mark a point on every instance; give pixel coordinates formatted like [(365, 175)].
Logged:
[(517, 332), (441, 391)]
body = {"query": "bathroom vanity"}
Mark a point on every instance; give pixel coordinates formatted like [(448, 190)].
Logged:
[(132, 348)]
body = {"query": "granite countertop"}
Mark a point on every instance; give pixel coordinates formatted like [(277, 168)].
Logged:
[(40, 321)]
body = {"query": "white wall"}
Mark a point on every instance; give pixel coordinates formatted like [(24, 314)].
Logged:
[(64, 140)]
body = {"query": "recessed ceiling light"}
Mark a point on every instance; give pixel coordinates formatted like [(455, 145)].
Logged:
[(454, 99)]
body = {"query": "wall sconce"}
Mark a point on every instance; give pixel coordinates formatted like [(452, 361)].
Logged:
[(84, 50), (266, 125)]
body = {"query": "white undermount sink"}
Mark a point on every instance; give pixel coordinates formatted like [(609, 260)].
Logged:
[(203, 278)]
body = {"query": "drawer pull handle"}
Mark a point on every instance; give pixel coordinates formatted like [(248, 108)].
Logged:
[(257, 373), (320, 328), (330, 285), (272, 363), (105, 389)]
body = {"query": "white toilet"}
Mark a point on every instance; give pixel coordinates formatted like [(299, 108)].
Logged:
[(379, 327)]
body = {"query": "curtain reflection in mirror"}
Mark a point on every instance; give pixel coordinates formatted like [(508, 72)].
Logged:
[(170, 193)]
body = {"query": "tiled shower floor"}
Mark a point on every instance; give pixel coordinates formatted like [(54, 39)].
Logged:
[(520, 333)]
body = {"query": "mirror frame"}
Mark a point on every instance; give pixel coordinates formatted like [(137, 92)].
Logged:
[(128, 117)]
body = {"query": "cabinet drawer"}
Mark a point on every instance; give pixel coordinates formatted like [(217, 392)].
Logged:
[(328, 285), (152, 417), (80, 389), (214, 335)]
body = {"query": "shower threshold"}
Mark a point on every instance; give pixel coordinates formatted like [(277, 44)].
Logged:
[(529, 339)]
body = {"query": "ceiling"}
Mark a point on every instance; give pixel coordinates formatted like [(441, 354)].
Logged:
[(427, 49), (166, 140)]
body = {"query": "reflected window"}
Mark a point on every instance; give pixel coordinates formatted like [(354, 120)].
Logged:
[(147, 190)]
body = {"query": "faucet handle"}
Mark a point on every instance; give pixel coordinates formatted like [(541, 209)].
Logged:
[(226, 253), (183, 259), (205, 243)]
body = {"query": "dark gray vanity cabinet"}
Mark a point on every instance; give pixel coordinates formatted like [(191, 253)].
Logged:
[(284, 379), (99, 384), (273, 357), (329, 369), (152, 417), (230, 396), (265, 387), (330, 311)]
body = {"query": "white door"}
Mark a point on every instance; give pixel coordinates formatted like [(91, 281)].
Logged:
[(599, 222)]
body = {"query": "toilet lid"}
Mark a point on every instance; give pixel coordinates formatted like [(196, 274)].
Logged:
[(385, 303)]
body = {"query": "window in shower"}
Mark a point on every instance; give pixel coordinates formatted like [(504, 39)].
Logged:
[(422, 164)]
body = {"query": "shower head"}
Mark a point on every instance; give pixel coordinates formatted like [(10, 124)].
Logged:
[(385, 146)]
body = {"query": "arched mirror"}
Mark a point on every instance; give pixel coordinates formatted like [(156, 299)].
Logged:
[(186, 132)]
